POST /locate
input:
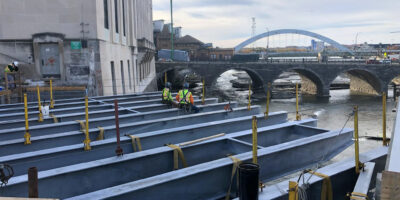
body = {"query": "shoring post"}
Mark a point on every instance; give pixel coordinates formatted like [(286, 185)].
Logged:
[(27, 136), (249, 104), (268, 99), (254, 126), (384, 119), (293, 190), (86, 142), (298, 117), (51, 94), (119, 150), (39, 104), (356, 141), (202, 97), (33, 191)]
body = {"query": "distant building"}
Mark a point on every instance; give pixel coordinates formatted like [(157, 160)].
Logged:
[(106, 45), (221, 54), (317, 46)]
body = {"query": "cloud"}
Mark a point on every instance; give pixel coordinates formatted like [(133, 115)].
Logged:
[(228, 22)]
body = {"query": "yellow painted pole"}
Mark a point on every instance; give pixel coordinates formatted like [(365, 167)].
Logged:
[(356, 144), (384, 119), (249, 104), (203, 97), (254, 125), (268, 98), (165, 78), (39, 104), (293, 190), (86, 142), (298, 117), (27, 136), (51, 94)]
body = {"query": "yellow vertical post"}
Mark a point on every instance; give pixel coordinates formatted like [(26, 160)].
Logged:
[(203, 97), (254, 125), (298, 117), (39, 104), (249, 104), (86, 142), (268, 98), (165, 77), (293, 188), (51, 94), (384, 119), (27, 136), (356, 144)]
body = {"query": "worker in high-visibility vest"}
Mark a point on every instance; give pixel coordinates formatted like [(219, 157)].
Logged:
[(185, 99), (12, 67), (166, 94)]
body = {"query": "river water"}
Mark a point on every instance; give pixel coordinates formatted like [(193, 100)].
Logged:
[(332, 113)]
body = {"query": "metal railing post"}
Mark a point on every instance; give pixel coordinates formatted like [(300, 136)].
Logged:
[(356, 141), (384, 119), (39, 104), (254, 126), (27, 136), (51, 94), (298, 117), (268, 98), (86, 142)]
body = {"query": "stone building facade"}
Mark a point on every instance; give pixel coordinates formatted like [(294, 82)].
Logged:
[(106, 45)]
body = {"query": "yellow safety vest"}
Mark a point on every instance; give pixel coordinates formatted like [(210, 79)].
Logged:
[(184, 96), (7, 69), (166, 94)]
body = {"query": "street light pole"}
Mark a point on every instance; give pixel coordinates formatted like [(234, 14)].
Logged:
[(267, 42), (172, 34), (355, 41)]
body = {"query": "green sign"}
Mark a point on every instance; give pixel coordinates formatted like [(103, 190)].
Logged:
[(76, 45)]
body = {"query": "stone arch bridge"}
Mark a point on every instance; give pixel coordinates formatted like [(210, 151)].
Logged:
[(316, 77)]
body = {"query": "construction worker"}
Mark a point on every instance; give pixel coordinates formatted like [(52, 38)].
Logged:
[(185, 99), (12, 67), (166, 94)]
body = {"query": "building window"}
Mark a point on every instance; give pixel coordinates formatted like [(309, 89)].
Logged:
[(122, 77), (123, 17), (129, 75), (116, 15), (114, 84), (106, 25)]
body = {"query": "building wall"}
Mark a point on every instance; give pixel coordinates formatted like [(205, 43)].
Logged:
[(59, 22), (23, 18)]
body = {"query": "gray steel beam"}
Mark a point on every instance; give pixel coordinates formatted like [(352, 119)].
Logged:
[(342, 175), (92, 102), (209, 168), (68, 155), (75, 137), (364, 180), (92, 114), (73, 100), (13, 133), (21, 116)]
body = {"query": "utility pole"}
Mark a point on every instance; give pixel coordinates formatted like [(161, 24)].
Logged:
[(172, 33), (253, 30)]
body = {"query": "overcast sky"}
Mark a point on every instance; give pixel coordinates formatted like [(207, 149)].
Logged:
[(226, 23)]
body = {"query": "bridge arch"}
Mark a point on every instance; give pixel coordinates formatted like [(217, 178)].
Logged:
[(308, 77), (363, 81), (292, 31), (258, 82)]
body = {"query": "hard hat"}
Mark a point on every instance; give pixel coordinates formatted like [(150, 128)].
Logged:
[(15, 63), (168, 85), (186, 85)]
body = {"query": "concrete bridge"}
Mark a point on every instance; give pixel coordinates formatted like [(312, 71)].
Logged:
[(316, 77)]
